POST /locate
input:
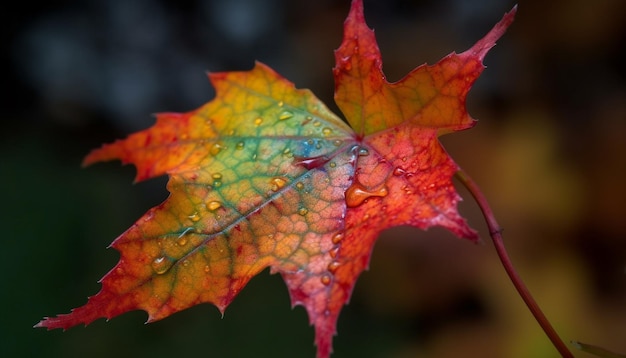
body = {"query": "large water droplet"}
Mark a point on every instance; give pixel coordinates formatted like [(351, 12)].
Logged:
[(285, 115), (277, 183), (357, 194), (213, 205), (310, 163), (162, 264)]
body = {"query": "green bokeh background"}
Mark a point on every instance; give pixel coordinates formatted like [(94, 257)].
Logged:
[(549, 153)]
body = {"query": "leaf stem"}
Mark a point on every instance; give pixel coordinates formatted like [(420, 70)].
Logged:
[(496, 235)]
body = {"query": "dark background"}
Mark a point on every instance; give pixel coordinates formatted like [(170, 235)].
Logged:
[(549, 152)]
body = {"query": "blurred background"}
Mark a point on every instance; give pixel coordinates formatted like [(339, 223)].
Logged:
[(549, 153)]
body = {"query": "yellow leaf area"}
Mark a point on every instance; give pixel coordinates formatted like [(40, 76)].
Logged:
[(265, 175)]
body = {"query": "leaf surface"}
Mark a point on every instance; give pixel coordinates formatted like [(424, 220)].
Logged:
[(264, 175)]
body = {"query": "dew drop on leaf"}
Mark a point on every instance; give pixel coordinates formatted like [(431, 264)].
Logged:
[(195, 217), (337, 238), (357, 194), (285, 115), (299, 185), (333, 266), (213, 205), (327, 131), (162, 264), (325, 279), (303, 211), (258, 121), (277, 183), (317, 123), (334, 252), (240, 145), (216, 148), (363, 152), (399, 172)]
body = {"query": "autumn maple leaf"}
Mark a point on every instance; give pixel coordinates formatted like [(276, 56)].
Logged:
[(264, 175)]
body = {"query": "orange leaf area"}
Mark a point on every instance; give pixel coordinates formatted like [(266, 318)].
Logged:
[(264, 175)]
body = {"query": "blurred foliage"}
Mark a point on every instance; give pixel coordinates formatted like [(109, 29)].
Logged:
[(548, 153)]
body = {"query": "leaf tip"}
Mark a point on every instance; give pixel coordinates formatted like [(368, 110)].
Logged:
[(483, 46)]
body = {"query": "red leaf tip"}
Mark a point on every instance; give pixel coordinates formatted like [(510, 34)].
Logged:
[(483, 46)]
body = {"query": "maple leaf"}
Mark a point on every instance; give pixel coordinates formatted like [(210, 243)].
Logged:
[(264, 175)]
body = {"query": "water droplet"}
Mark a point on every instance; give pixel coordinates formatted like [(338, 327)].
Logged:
[(182, 241), (216, 148), (365, 217), (216, 176), (207, 269), (213, 205), (185, 263), (277, 183), (333, 266), (363, 152), (317, 123), (306, 120), (162, 264), (337, 238), (285, 115), (357, 193), (286, 151), (399, 172), (310, 163), (303, 211), (334, 252), (404, 159), (281, 103), (325, 279), (258, 121), (195, 217), (240, 145), (232, 132), (337, 142), (299, 185), (332, 164), (327, 131)]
